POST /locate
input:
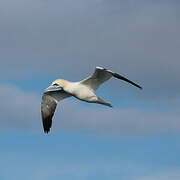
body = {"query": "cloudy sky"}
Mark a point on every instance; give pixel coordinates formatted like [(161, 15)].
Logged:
[(41, 40)]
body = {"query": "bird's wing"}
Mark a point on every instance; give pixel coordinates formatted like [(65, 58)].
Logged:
[(48, 106), (101, 75)]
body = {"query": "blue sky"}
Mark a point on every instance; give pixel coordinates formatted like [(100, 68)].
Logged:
[(88, 156), (43, 40)]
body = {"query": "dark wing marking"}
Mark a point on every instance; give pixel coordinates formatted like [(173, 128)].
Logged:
[(101, 75), (125, 79), (48, 107)]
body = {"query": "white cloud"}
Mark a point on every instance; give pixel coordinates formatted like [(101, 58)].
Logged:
[(21, 110), (123, 121)]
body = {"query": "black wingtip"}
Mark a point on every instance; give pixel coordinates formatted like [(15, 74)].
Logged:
[(46, 131), (127, 80), (138, 86), (47, 123)]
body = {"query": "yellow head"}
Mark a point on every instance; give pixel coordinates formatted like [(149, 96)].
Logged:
[(59, 83)]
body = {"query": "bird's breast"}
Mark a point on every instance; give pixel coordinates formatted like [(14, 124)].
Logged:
[(80, 91)]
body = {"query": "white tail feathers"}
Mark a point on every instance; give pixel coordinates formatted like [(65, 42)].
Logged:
[(101, 101)]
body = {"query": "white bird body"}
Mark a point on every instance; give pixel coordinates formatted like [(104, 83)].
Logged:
[(84, 90), (80, 91)]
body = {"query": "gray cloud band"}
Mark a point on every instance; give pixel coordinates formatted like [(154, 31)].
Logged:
[(137, 39), (21, 110)]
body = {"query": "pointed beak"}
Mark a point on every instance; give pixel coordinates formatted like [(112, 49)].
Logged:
[(52, 88)]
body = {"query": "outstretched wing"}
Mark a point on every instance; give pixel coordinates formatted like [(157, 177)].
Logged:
[(48, 106), (101, 75)]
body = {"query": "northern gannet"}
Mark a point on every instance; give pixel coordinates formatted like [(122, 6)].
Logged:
[(84, 90)]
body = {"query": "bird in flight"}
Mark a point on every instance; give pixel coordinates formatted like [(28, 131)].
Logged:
[(84, 90)]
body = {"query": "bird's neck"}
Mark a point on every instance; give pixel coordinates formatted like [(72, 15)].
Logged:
[(64, 83)]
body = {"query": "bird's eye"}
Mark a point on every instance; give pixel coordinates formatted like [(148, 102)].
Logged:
[(55, 84)]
